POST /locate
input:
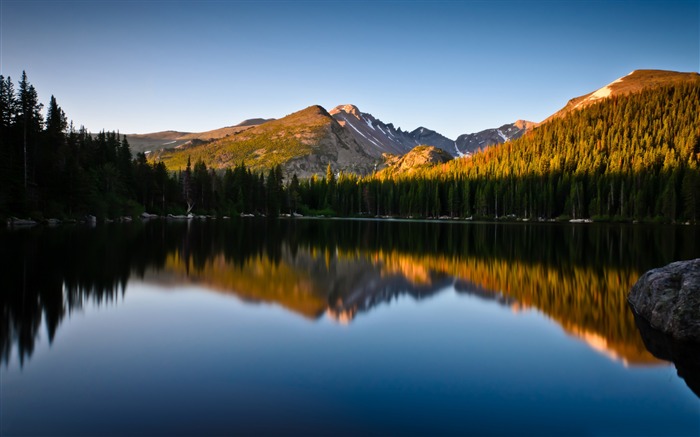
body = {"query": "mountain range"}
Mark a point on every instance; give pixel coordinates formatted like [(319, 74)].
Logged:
[(306, 141), (379, 138), (171, 139)]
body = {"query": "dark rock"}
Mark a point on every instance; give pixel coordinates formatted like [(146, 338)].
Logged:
[(669, 299)]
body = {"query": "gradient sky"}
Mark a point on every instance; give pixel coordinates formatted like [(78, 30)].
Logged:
[(452, 66)]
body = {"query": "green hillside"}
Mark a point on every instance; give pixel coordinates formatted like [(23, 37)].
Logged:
[(303, 142)]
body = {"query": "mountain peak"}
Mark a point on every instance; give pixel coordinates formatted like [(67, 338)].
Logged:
[(313, 111), (348, 109), (253, 122), (420, 130), (524, 124)]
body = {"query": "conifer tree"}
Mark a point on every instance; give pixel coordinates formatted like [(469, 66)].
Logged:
[(30, 120), (187, 186)]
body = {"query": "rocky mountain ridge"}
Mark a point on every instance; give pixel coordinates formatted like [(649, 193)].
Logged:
[(357, 141), (375, 137), (378, 137)]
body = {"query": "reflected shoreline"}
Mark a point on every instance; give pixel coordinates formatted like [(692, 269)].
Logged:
[(576, 276)]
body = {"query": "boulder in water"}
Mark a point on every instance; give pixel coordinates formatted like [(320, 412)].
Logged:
[(669, 299)]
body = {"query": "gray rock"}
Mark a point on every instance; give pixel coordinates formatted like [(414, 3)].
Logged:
[(669, 299)]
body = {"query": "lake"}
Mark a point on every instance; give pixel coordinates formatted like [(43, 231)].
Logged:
[(337, 327)]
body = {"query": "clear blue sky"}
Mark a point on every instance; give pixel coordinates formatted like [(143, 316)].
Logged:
[(453, 66)]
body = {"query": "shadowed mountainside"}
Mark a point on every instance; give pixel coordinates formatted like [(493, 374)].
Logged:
[(467, 144)]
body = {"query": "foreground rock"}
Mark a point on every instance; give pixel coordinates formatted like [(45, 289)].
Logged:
[(669, 299)]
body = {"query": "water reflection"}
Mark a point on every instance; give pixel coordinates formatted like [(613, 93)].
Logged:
[(576, 275), (684, 355)]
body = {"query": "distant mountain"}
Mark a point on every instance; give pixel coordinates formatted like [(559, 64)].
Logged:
[(171, 139), (378, 137), (253, 122), (156, 140), (467, 144), (304, 143), (226, 131), (427, 137), (632, 83), (360, 135), (375, 137)]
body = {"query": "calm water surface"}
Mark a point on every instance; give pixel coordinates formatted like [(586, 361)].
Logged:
[(337, 327)]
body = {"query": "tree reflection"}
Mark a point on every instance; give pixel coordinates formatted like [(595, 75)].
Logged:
[(577, 275), (52, 272)]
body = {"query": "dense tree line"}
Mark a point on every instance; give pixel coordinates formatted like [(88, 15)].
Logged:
[(629, 157), (48, 168)]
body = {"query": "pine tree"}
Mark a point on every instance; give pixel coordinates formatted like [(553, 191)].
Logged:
[(690, 190), (8, 106), (30, 120), (56, 121), (293, 194), (8, 111), (187, 186)]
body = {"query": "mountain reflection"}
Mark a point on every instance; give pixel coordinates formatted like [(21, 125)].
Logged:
[(576, 275)]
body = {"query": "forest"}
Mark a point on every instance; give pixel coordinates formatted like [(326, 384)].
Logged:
[(626, 158)]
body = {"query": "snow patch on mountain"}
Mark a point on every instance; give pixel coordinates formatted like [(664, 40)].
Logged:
[(379, 137), (601, 93), (460, 154), (364, 136)]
